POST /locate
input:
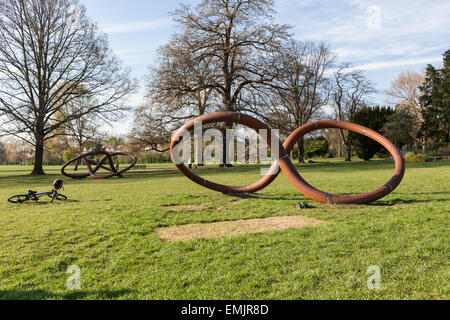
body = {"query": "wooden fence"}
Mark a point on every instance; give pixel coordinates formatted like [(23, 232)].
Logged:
[(437, 159)]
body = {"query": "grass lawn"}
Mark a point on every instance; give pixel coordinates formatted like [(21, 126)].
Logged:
[(106, 228)]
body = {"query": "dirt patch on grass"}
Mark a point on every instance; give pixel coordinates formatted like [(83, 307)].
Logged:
[(229, 228), (185, 207)]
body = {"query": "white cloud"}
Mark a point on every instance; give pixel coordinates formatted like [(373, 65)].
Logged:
[(410, 33), (408, 29), (350, 53), (397, 63), (137, 26)]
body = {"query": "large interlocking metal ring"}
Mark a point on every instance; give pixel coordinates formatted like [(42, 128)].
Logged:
[(284, 162)]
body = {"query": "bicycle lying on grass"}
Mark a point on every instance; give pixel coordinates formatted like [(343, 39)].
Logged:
[(34, 196)]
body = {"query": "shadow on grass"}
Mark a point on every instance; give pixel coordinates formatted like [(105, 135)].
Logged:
[(421, 193), (391, 203), (379, 203), (100, 200), (261, 196), (73, 295), (42, 203)]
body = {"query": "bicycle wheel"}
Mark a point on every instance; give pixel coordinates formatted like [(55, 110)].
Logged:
[(59, 197), (18, 199)]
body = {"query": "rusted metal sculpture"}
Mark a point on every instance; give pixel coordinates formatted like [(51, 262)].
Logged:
[(99, 165), (284, 162)]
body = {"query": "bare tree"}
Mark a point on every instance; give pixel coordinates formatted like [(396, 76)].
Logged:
[(301, 89), (79, 132), (235, 36), (17, 151), (175, 87), (48, 48), (350, 93), (82, 133), (174, 94), (237, 40), (405, 92), (150, 132)]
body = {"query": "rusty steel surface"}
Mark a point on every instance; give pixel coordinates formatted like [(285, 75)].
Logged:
[(226, 117), (305, 188), (284, 162), (99, 165)]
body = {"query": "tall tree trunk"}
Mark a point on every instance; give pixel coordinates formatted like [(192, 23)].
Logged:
[(225, 163), (38, 169), (228, 125), (424, 145), (80, 151), (348, 148), (301, 150)]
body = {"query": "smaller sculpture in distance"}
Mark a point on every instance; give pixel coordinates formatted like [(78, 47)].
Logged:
[(94, 166)]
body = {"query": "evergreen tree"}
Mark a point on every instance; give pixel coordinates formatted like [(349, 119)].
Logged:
[(436, 103), (373, 118), (399, 128)]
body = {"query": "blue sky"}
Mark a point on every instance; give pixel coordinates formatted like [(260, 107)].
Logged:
[(382, 37)]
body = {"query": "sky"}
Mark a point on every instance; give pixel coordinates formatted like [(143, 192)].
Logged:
[(383, 38)]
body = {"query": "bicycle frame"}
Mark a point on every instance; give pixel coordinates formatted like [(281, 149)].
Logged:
[(40, 195), (35, 197)]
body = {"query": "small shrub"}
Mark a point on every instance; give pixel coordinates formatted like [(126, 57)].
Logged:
[(410, 154), (418, 158)]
